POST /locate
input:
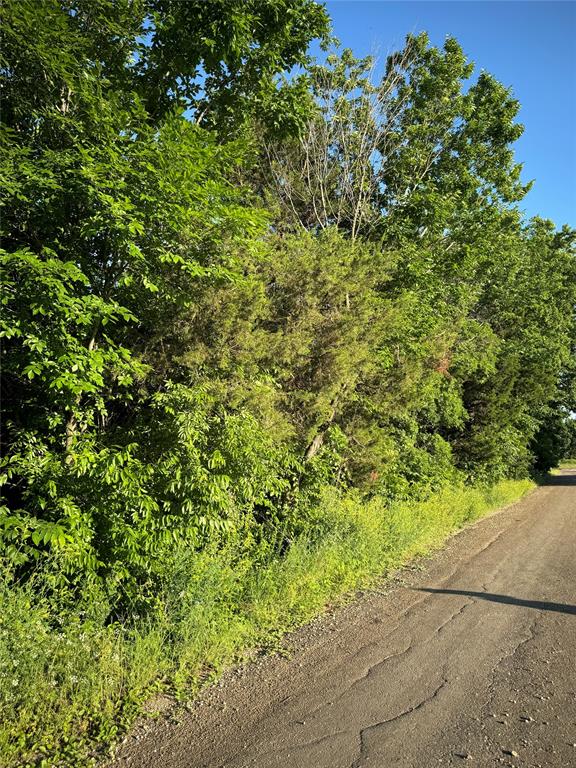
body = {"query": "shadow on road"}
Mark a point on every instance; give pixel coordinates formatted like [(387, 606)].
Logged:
[(506, 599), (563, 479)]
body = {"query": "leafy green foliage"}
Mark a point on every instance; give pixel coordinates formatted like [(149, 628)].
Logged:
[(252, 318)]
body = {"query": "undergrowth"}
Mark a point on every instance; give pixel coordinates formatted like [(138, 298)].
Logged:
[(70, 684)]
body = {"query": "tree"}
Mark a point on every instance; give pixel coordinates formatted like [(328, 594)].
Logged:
[(119, 216), (220, 60)]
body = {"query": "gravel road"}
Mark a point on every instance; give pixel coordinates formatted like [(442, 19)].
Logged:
[(468, 657)]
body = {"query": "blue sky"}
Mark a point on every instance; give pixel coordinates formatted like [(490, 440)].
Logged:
[(527, 44)]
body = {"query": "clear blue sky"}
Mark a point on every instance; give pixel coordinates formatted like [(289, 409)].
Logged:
[(529, 45)]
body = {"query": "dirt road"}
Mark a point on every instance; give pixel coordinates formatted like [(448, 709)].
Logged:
[(469, 657)]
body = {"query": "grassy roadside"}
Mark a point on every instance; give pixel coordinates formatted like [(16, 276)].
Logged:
[(70, 686), (567, 464)]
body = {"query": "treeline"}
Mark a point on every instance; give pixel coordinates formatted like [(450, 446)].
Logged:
[(234, 276), (225, 288)]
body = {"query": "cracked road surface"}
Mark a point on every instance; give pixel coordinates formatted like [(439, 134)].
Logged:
[(469, 656)]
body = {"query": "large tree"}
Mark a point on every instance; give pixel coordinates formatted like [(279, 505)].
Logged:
[(123, 210)]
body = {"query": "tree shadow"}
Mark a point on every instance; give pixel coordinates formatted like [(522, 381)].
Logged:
[(568, 477), (539, 605)]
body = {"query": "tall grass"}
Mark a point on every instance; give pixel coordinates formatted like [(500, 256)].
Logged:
[(70, 685)]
